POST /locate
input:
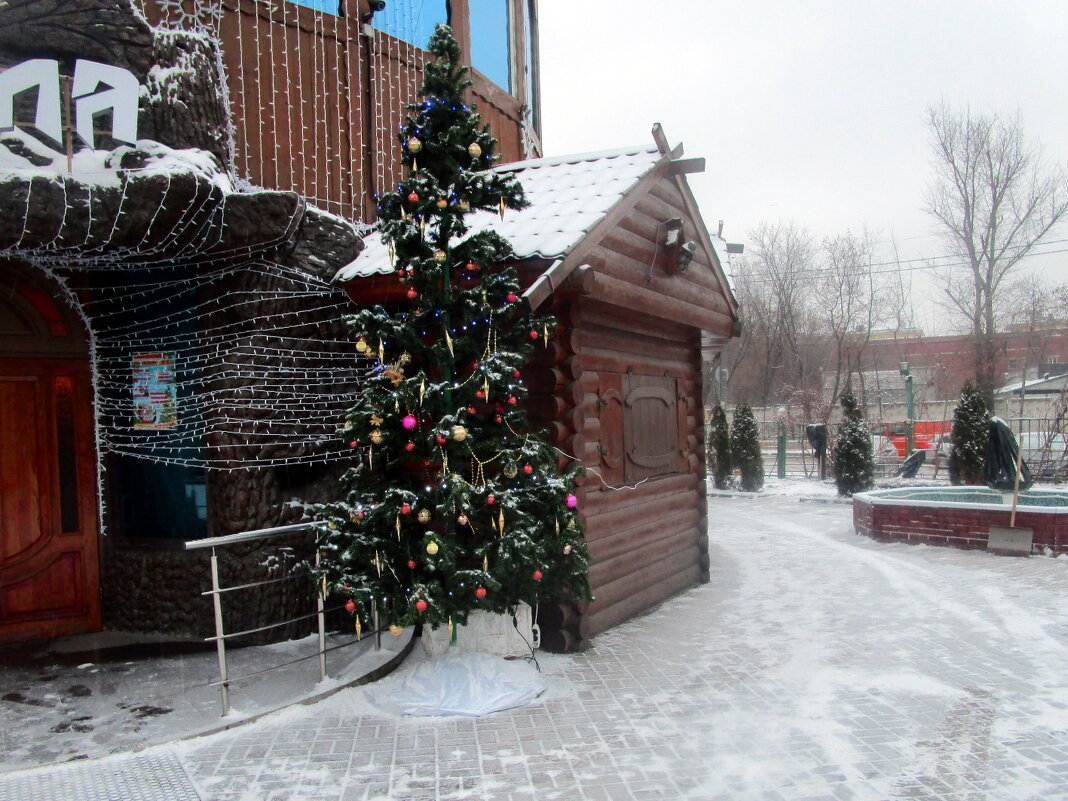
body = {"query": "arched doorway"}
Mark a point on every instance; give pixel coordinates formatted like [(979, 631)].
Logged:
[(49, 564)]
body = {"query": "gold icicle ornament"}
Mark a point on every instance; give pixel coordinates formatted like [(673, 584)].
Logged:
[(422, 391), (358, 628), (448, 341), (378, 565), (398, 528), (381, 351), (544, 333), (502, 207), (452, 632), (323, 588), (500, 522), (485, 564), (392, 255)]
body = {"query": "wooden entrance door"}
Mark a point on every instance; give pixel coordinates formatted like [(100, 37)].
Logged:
[(49, 582), (49, 565)]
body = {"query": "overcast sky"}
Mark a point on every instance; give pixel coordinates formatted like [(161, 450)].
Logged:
[(805, 111)]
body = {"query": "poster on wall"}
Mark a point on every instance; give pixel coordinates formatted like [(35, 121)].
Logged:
[(155, 397)]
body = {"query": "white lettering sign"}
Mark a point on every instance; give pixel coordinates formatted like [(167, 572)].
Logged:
[(97, 88)]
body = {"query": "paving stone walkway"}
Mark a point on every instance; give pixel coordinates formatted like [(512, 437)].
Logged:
[(815, 665)]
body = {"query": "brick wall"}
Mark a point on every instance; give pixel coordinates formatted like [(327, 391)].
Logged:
[(953, 526)]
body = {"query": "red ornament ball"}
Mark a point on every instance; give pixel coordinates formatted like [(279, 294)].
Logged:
[(440, 439), (406, 509), (420, 606), (536, 575), (411, 564), (498, 419), (515, 374), (512, 297), (470, 409), (462, 520), (354, 444), (480, 395), (412, 294), (413, 197), (512, 400), (533, 334), (528, 469), (480, 592), (350, 607), (490, 499), (410, 447), (472, 267)]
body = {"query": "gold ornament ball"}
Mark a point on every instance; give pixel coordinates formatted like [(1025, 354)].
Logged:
[(442, 203), (431, 547), (424, 516), (377, 437), (361, 345), (474, 150), (405, 357), (396, 630), (465, 206), (510, 470), (459, 433), (439, 256), (414, 145)]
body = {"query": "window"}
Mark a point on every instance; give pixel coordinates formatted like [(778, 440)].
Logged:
[(412, 21), (491, 41)]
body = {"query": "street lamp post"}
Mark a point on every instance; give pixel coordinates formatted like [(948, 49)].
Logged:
[(910, 421)]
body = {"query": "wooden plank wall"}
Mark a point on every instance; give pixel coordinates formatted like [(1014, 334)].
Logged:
[(308, 116)]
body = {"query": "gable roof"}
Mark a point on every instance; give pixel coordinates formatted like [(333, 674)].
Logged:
[(568, 195)]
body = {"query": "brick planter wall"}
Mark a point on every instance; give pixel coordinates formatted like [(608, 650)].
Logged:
[(958, 525)]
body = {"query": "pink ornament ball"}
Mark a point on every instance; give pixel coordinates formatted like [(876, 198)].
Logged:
[(409, 422), (571, 501)]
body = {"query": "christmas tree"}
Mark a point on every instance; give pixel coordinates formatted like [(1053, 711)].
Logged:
[(853, 457), (720, 448), (969, 435), (455, 503), (745, 448)]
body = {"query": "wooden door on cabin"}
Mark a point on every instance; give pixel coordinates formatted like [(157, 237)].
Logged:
[(49, 566), (639, 417)]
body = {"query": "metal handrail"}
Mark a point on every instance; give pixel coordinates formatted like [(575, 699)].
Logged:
[(216, 591)]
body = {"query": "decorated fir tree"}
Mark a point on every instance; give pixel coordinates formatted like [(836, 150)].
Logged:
[(745, 448), (456, 503), (969, 435), (853, 457), (720, 448)]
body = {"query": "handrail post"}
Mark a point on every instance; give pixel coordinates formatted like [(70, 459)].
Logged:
[(220, 634), (374, 624), (320, 602)]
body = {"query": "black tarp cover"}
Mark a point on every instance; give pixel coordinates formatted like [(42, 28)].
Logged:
[(1001, 452)]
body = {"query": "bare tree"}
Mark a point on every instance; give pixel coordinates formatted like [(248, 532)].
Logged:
[(995, 200), (849, 300), (775, 292)]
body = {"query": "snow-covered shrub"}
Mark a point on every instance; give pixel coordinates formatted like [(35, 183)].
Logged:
[(720, 448), (852, 458), (745, 448), (969, 435)]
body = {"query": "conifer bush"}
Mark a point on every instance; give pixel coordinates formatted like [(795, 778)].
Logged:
[(969, 435), (745, 448), (720, 448), (853, 457)]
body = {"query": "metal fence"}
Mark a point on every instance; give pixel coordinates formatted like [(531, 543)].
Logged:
[(218, 545), (794, 457)]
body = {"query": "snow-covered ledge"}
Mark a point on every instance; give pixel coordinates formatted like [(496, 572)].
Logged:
[(487, 633)]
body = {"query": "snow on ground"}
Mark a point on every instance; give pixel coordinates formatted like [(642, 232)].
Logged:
[(815, 665)]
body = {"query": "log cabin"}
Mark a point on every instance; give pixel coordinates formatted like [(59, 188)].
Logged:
[(614, 246)]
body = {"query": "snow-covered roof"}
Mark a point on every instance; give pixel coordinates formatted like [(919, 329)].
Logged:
[(568, 195), (1051, 385)]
